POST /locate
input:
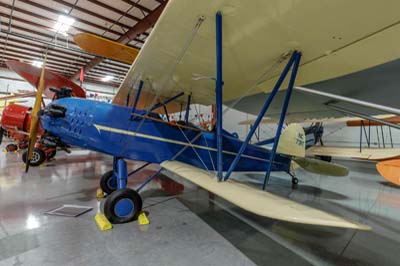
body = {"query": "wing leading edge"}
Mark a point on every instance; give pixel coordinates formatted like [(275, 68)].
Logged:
[(331, 48), (257, 201)]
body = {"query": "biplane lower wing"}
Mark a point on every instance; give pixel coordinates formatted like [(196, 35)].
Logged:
[(259, 202)]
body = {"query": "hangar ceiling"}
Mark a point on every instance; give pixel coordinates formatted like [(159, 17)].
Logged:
[(29, 27)]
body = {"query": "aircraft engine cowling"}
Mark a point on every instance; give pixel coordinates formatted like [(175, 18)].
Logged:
[(16, 118)]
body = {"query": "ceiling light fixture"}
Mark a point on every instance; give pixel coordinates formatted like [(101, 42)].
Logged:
[(107, 78), (62, 25), (38, 64)]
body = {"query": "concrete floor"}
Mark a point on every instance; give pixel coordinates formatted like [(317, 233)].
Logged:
[(190, 227)]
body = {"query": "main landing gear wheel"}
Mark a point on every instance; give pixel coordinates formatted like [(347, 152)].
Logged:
[(38, 157), (295, 180), (107, 183), (11, 147), (123, 206)]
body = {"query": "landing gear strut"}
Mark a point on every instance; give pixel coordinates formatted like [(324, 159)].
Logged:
[(295, 180), (123, 204)]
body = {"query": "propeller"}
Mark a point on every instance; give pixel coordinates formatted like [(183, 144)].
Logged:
[(35, 117)]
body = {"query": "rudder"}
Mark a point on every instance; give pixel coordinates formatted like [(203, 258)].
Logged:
[(292, 141)]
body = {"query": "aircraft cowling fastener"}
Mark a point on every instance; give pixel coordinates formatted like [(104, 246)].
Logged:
[(54, 110)]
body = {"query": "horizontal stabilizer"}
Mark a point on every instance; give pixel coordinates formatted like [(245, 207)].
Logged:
[(321, 167), (257, 201)]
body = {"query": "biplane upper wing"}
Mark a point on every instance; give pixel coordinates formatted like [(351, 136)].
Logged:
[(103, 47), (179, 54), (32, 74), (257, 201)]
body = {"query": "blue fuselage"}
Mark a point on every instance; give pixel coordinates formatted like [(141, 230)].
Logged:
[(114, 130)]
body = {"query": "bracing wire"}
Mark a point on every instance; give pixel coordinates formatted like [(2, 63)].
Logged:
[(263, 77), (194, 150), (205, 139), (186, 46)]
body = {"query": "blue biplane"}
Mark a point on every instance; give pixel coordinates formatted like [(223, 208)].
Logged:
[(167, 65)]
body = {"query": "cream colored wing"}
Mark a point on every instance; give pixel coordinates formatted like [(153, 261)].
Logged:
[(257, 201), (353, 152), (269, 120), (335, 37)]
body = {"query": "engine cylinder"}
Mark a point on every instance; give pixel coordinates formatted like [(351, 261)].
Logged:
[(16, 117)]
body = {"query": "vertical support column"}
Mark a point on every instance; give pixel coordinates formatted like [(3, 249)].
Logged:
[(361, 134), (218, 92), (261, 115), (365, 132), (377, 134), (369, 134), (122, 173), (282, 118), (188, 109), (139, 90)]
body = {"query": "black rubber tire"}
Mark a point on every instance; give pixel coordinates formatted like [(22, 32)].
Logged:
[(113, 198), (41, 157), (105, 185), (11, 147), (295, 181)]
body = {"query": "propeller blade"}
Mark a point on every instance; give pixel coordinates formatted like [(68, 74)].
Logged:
[(34, 116)]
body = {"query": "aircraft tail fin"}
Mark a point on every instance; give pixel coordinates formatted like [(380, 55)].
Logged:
[(292, 141)]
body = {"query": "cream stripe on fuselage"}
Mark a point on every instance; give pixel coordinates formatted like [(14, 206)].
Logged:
[(140, 135)]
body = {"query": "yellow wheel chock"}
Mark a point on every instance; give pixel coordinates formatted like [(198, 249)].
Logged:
[(142, 219), (102, 222)]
